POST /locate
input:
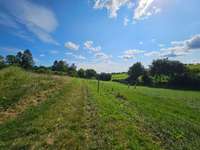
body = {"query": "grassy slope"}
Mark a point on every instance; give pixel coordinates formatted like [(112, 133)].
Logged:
[(77, 117), (148, 118), (120, 76), (194, 68)]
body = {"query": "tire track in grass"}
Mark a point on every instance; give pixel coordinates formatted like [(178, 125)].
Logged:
[(94, 131)]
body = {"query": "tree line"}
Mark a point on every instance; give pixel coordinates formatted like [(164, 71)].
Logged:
[(25, 60), (161, 73), (164, 73)]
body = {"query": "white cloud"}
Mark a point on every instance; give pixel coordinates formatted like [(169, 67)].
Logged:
[(103, 57), (37, 19), (42, 55), (54, 52), (72, 46), (152, 54), (111, 5), (130, 54), (80, 57), (178, 48), (145, 9), (9, 49), (126, 21), (142, 10), (130, 5), (89, 45), (108, 67)]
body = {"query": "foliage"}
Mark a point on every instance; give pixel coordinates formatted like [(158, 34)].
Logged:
[(72, 70), (2, 62), (90, 73), (60, 66), (105, 76), (27, 60), (146, 79), (135, 71), (167, 67), (11, 60), (81, 73)]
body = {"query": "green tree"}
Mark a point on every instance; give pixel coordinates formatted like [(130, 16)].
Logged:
[(81, 73), (61, 66), (165, 67), (72, 70), (11, 59), (19, 58), (90, 73), (105, 76), (2, 62), (135, 71), (146, 78), (27, 60)]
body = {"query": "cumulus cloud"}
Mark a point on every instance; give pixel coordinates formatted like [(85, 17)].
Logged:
[(112, 5), (103, 57), (97, 52), (178, 48), (89, 45), (79, 57), (72, 46), (37, 19), (144, 9), (126, 21), (130, 54)]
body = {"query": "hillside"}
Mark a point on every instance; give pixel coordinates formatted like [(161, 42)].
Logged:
[(194, 68), (53, 112), (119, 76)]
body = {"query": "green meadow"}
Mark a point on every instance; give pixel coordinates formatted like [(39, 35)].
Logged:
[(58, 112)]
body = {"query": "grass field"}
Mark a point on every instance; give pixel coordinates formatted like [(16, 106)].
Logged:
[(119, 76), (51, 112)]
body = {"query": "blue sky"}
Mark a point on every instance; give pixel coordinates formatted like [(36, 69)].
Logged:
[(106, 35)]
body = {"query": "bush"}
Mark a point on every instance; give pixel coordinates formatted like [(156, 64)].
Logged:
[(105, 76)]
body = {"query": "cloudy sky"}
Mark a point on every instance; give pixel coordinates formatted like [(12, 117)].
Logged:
[(106, 35)]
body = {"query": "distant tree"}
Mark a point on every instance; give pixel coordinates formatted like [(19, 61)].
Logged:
[(11, 59), (2, 62), (105, 76), (146, 78), (72, 70), (90, 73), (166, 67), (61, 66), (81, 73), (19, 58), (176, 68), (135, 71), (27, 60)]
